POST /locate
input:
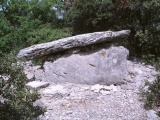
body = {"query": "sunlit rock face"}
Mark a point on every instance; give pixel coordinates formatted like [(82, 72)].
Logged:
[(84, 59)]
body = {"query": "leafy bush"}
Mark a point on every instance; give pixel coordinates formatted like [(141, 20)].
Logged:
[(91, 16), (24, 23), (152, 60), (45, 33), (152, 95), (31, 32), (16, 101)]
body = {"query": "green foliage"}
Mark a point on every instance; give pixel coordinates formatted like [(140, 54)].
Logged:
[(91, 16), (32, 9), (45, 33), (142, 17), (152, 95), (18, 100), (152, 60), (24, 23)]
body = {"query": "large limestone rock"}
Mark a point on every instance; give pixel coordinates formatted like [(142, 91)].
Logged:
[(102, 66), (41, 50)]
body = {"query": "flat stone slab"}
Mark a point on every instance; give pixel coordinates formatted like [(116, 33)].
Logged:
[(37, 84), (57, 89), (41, 50)]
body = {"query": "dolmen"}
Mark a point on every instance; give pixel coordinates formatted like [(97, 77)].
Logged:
[(89, 58)]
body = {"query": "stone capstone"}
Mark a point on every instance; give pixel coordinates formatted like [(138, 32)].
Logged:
[(44, 49), (104, 66)]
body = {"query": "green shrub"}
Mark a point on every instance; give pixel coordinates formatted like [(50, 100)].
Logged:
[(45, 33), (17, 103), (31, 32), (152, 95), (94, 15), (152, 60), (24, 23)]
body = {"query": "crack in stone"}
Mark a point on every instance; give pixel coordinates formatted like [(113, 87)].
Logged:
[(92, 65)]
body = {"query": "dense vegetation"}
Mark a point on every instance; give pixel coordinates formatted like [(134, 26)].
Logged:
[(24, 23), (16, 101), (140, 16), (27, 22)]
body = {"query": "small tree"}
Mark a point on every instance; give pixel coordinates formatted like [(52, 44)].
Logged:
[(16, 101)]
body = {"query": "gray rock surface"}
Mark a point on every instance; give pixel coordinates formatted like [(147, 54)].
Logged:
[(37, 84), (40, 50), (39, 103), (53, 90), (105, 66), (151, 115), (99, 102), (139, 73), (82, 104)]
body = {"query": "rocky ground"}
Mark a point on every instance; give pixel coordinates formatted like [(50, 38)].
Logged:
[(82, 98), (80, 102), (70, 101)]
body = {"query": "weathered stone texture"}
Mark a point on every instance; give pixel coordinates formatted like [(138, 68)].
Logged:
[(105, 66), (40, 50)]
